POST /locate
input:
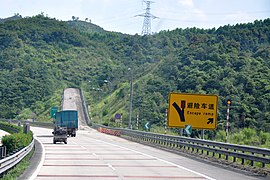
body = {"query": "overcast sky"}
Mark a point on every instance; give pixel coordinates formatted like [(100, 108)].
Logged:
[(122, 15)]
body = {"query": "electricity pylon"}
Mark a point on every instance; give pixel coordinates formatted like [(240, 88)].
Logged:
[(146, 29)]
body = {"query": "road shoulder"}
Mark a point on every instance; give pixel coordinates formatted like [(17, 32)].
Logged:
[(35, 160)]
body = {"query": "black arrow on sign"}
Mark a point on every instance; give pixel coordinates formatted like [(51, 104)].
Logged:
[(180, 111), (210, 121)]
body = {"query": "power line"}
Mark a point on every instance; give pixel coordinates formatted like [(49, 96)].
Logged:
[(209, 21), (166, 12), (123, 25), (119, 17)]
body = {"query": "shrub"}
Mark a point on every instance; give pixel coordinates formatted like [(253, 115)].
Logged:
[(264, 139), (221, 136), (16, 141)]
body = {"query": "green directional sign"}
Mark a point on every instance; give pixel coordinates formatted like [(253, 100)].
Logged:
[(53, 111), (188, 129)]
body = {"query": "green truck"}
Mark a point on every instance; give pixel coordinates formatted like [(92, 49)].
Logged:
[(67, 119)]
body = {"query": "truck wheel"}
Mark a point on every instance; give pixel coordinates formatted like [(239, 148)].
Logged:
[(65, 142), (54, 142)]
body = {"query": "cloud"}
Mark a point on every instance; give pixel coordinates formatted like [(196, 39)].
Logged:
[(238, 16), (190, 10), (187, 3)]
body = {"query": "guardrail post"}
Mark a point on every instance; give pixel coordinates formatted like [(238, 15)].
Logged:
[(234, 158), (202, 149), (165, 142), (179, 144), (227, 157), (3, 152), (175, 144), (26, 128), (243, 160), (263, 164), (252, 162)]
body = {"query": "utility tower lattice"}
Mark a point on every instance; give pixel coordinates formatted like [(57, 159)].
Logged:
[(146, 29)]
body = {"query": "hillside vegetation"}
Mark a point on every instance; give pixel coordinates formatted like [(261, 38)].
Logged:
[(40, 56)]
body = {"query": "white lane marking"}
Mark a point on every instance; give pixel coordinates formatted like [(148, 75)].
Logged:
[(110, 166), (74, 142), (150, 156), (34, 175), (83, 147)]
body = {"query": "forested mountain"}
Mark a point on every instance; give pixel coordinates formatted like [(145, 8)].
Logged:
[(15, 17), (86, 27), (40, 56)]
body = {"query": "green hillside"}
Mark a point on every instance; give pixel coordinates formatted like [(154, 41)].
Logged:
[(15, 17), (86, 27), (40, 56)]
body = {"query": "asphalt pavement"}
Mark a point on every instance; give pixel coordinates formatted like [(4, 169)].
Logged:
[(93, 155)]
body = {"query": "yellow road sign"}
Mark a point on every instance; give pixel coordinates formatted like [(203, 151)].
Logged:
[(199, 111)]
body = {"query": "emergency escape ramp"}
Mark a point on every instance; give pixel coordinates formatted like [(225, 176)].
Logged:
[(81, 105)]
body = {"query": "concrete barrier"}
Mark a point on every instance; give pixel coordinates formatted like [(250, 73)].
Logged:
[(109, 131)]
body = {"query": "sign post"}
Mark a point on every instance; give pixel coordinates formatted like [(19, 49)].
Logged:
[(227, 119), (165, 124), (198, 111), (118, 118)]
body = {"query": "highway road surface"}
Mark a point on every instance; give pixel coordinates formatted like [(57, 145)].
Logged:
[(93, 155)]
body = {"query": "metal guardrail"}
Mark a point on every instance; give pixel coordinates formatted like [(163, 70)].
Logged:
[(247, 155), (39, 124), (85, 107), (12, 160), (3, 152), (8, 161), (9, 129)]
